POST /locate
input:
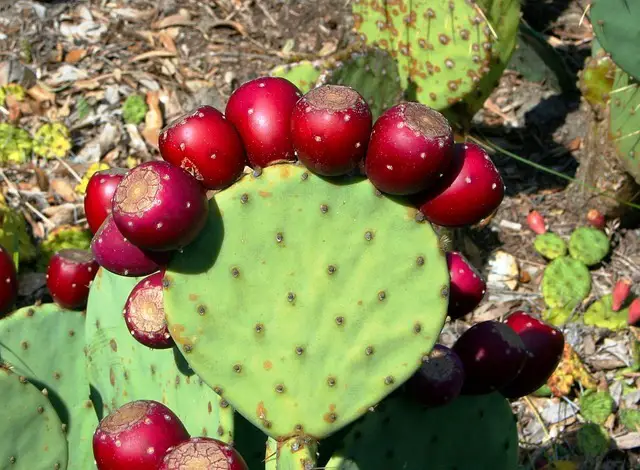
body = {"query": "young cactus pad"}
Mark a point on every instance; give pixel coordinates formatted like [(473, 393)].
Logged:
[(34, 436), (123, 370), (476, 432), (624, 121), (303, 74), (588, 245), (304, 302), (601, 315), (550, 245), (566, 283)]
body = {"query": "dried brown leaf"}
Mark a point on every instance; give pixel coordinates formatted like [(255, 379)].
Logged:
[(153, 119), (41, 93), (133, 14), (75, 55), (183, 18), (64, 189), (152, 55), (167, 42)]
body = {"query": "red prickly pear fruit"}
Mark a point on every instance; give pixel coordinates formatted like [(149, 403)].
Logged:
[(8, 282), (596, 219), (536, 222), (261, 112), (205, 144), (492, 355), (69, 276), (410, 148), (439, 379), (471, 190), (330, 128), (160, 207), (634, 313), (99, 196), (137, 436), (118, 255), (467, 286), (203, 452), (544, 345), (620, 293), (144, 313)]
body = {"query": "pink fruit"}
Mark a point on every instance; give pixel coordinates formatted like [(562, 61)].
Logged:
[(144, 313), (261, 112), (467, 287), (118, 255), (596, 219), (439, 380), (205, 144), (99, 195), (544, 345), (536, 222), (471, 190), (492, 355), (330, 128), (620, 293), (160, 207), (136, 436), (69, 275), (204, 453), (8, 282), (411, 147), (634, 313)]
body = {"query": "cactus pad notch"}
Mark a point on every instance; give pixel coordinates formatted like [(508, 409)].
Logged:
[(305, 301)]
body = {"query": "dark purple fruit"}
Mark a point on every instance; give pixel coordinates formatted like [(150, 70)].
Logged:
[(144, 313)]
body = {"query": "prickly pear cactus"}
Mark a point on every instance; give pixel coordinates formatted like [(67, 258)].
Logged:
[(294, 324), (61, 238), (134, 109), (624, 121), (601, 315), (398, 434), (15, 144), (52, 140), (596, 78), (557, 316), (566, 283), (303, 74), (123, 370), (588, 245), (34, 436), (596, 405), (550, 245)]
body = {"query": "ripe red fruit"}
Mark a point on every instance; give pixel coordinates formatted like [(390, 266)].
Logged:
[(620, 293), (634, 313), (439, 379), (330, 128), (596, 219), (136, 436), (492, 355), (144, 313), (411, 147), (203, 452), (261, 112), (118, 255), (536, 222), (467, 287), (158, 206), (99, 194), (471, 190), (69, 275), (205, 144), (544, 345), (8, 282)]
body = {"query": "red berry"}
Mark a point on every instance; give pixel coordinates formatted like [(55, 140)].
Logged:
[(544, 345), (158, 206), (467, 286), (205, 144), (69, 275), (136, 436), (536, 222), (144, 313), (471, 190), (620, 293), (492, 355), (596, 219), (99, 196), (261, 112), (205, 453), (634, 313), (330, 128), (409, 150), (8, 282)]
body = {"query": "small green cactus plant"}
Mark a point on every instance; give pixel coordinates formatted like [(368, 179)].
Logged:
[(566, 283), (134, 109), (589, 245), (52, 140), (596, 405), (303, 74), (602, 315), (15, 144), (550, 245)]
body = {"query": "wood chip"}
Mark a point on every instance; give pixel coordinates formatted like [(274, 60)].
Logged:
[(152, 55), (75, 56), (63, 189), (179, 19)]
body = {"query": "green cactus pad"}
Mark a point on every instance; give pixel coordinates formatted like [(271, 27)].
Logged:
[(596, 78), (624, 121), (303, 74), (470, 433), (566, 283), (33, 434), (615, 23), (15, 144), (52, 140), (557, 316), (550, 245), (630, 419), (123, 370), (589, 245), (134, 109), (600, 314), (593, 440), (305, 301), (596, 406)]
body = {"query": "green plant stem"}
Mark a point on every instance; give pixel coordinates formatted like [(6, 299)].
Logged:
[(296, 453)]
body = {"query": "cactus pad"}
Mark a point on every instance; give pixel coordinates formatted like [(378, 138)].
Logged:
[(593, 440), (15, 144), (305, 301), (550, 245), (589, 245), (596, 78), (52, 140), (470, 433), (303, 74), (596, 406), (134, 109), (557, 316), (123, 370), (624, 121), (566, 283), (600, 314), (34, 436)]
